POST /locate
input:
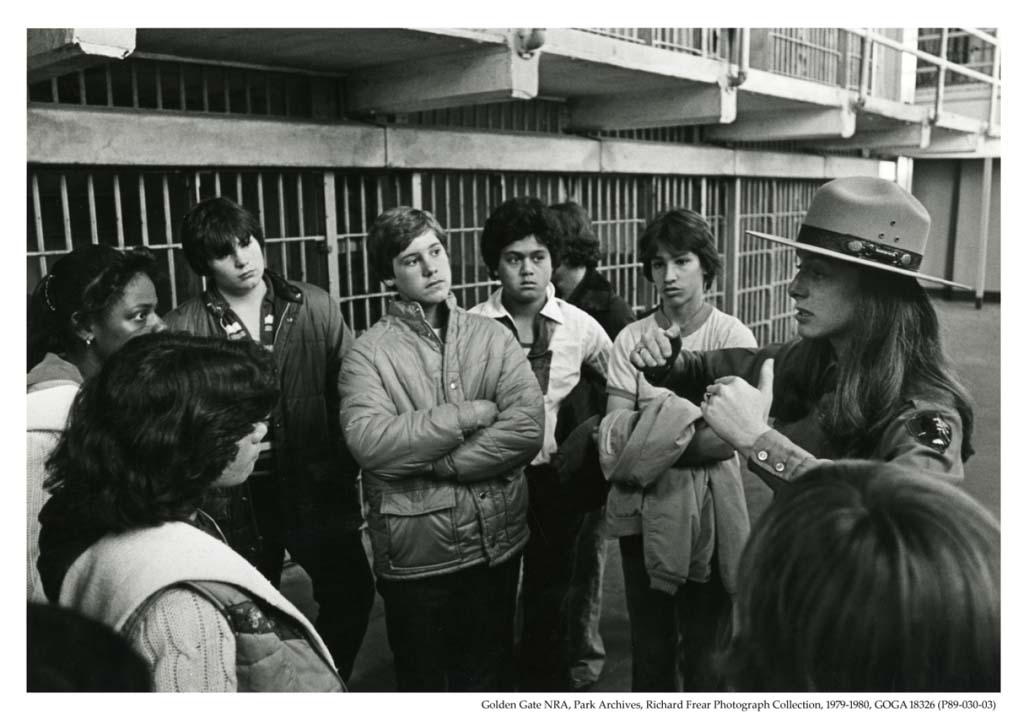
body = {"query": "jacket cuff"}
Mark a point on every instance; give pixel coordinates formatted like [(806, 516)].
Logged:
[(444, 468), (467, 418), (662, 585), (775, 457)]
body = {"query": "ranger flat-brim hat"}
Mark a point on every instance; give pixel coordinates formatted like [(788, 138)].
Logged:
[(868, 221)]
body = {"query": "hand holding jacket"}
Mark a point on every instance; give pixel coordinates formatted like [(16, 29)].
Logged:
[(924, 434)]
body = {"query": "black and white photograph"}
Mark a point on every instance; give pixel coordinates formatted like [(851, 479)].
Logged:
[(577, 368)]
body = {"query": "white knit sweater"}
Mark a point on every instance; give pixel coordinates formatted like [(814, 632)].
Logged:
[(188, 647)]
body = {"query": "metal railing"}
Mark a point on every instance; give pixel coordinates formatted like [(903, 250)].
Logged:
[(706, 42), (866, 60), (974, 50), (862, 59), (945, 66), (147, 83)]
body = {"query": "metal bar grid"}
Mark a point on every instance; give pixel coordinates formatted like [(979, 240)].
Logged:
[(619, 208), (511, 115), (937, 60), (359, 199), (968, 48), (827, 55), (316, 225), (808, 53), (126, 207), (765, 268), (705, 42), (180, 84)]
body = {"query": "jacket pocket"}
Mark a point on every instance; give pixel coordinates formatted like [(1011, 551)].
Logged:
[(421, 528), (623, 511)]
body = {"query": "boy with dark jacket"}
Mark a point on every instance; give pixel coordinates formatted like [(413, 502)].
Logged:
[(441, 410), (522, 245), (578, 281), (303, 494)]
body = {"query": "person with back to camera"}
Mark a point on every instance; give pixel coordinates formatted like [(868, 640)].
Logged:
[(93, 300), (124, 541), (676, 501), (867, 378), (522, 246), (868, 576), (71, 653), (304, 492), (442, 412)]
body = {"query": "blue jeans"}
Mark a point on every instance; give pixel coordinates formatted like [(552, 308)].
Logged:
[(342, 583), (586, 648), (453, 632), (673, 637)]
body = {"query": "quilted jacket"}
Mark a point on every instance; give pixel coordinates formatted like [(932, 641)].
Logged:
[(442, 494), (688, 515), (317, 475)]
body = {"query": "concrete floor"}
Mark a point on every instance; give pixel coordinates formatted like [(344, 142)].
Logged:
[(971, 339)]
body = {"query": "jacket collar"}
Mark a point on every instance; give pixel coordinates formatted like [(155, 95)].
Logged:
[(594, 292), (277, 288), (412, 311), (54, 368), (552, 310)]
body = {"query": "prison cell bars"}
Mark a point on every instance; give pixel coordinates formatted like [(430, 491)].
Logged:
[(346, 203)]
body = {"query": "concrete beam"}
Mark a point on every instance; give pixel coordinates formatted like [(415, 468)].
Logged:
[(944, 143), (762, 82), (828, 122), (778, 164), (78, 136), (658, 158), (954, 142), (635, 157), (894, 110), (910, 136), (686, 106), (87, 136), (838, 166), (480, 75), (414, 148), (58, 51), (985, 148), (956, 122)]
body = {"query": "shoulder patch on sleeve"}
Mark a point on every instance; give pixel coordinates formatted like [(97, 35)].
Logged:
[(931, 430)]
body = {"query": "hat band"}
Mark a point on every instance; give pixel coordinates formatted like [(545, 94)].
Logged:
[(877, 252)]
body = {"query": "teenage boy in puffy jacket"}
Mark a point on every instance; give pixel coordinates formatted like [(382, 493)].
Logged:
[(442, 412), (303, 494)]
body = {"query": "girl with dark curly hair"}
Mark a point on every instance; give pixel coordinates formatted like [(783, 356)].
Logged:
[(91, 302), (123, 540)]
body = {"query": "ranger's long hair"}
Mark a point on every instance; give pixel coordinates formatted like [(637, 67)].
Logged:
[(896, 354)]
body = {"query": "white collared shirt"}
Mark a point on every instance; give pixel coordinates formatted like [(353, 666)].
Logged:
[(577, 339)]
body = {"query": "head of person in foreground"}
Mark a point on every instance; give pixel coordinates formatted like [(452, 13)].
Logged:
[(862, 576)]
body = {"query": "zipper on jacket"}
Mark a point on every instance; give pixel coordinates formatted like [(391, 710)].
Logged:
[(280, 323)]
